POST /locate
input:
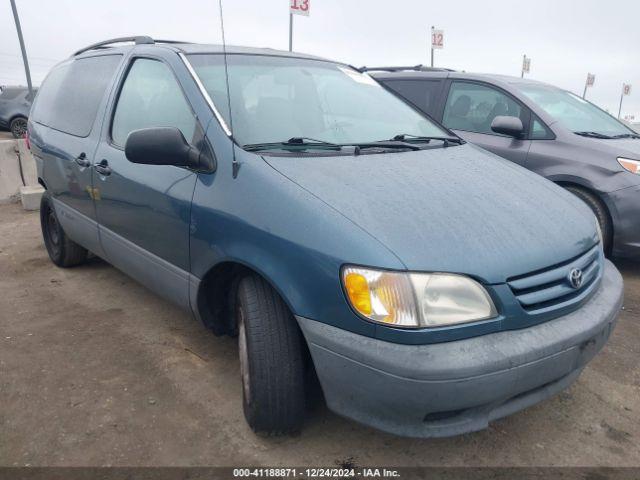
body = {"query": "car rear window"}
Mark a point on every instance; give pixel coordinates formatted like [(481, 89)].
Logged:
[(70, 96)]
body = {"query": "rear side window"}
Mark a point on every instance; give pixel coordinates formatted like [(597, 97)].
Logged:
[(421, 93), (70, 96), (151, 97)]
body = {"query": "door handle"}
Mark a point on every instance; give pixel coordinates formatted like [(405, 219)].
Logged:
[(103, 168), (82, 160)]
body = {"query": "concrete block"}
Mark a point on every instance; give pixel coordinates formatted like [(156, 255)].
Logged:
[(30, 197), (13, 155)]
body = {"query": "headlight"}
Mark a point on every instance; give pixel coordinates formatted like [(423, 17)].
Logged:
[(416, 300), (632, 166)]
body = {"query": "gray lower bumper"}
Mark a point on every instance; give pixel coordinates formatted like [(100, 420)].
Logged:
[(457, 387)]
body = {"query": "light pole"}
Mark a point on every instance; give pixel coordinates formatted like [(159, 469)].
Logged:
[(24, 50), (432, 29), (290, 31), (591, 80), (626, 90), (525, 66)]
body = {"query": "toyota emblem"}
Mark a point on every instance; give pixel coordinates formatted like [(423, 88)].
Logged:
[(575, 278)]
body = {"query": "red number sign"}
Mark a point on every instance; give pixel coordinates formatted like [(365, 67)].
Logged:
[(300, 7), (437, 39)]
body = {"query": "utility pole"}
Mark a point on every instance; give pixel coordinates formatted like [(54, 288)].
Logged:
[(290, 32), (24, 50)]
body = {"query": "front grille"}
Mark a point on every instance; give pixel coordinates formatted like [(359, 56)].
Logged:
[(551, 288)]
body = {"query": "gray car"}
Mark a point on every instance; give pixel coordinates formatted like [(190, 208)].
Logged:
[(543, 128), (15, 103)]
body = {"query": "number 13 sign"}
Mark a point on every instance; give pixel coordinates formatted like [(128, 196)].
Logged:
[(299, 7)]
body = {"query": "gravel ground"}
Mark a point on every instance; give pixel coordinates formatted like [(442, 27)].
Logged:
[(96, 370)]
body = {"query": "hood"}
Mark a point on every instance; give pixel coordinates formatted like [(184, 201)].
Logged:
[(620, 147), (457, 209)]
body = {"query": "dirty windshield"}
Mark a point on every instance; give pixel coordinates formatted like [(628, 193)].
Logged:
[(274, 99)]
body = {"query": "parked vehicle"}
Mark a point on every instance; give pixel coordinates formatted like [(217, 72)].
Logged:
[(546, 129), (15, 103), (432, 287)]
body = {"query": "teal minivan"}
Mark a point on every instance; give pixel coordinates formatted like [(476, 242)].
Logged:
[(428, 286)]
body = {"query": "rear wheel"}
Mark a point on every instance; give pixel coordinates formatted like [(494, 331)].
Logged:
[(63, 251), (18, 127), (601, 213), (271, 359)]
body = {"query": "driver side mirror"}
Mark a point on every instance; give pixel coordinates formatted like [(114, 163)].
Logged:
[(161, 146), (510, 126)]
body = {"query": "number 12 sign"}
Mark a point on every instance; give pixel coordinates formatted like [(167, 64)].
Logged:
[(437, 39), (300, 7)]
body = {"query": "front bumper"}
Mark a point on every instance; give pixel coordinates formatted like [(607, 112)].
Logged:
[(451, 388), (624, 206)]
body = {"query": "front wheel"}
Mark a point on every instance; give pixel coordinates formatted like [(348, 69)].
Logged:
[(18, 127), (271, 359), (601, 213)]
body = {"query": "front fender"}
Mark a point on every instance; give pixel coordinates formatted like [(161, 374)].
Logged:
[(264, 221)]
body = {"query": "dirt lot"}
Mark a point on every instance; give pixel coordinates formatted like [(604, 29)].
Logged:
[(96, 370)]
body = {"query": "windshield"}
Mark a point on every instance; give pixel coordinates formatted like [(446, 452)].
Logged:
[(274, 99), (573, 112)]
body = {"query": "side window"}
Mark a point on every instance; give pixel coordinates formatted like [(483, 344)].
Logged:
[(151, 97), (70, 95), (473, 107), (539, 131), (421, 93)]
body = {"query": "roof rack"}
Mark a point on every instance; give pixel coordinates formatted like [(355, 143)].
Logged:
[(416, 68), (139, 40)]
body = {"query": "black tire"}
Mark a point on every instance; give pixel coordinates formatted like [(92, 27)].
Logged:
[(601, 213), (271, 359), (18, 127), (63, 251)]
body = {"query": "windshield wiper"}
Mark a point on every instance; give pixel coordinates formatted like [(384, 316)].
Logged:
[(627, 135), (295, 142), (426, 139), (384, 144), (594, 135), (301, 143)]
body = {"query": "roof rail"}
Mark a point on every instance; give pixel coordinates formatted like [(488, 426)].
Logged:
[(416, 68), (140, 40)]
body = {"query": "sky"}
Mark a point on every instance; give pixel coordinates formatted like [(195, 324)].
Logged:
[(565, 39)]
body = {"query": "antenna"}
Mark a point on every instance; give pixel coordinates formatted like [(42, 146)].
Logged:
[(236, 165)]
